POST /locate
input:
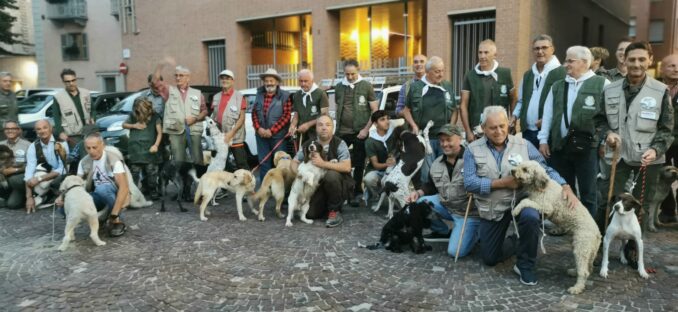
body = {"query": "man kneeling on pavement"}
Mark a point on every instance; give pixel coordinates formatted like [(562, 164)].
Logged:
[(445, 190), (106, 177)]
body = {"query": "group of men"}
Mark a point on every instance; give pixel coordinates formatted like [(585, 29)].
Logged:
[(567, 116)]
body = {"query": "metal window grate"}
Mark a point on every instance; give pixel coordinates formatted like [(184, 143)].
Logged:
[(467, 32), (216, 59)]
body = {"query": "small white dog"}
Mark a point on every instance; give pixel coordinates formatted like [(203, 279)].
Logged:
[(218, 162), (241, 182), (78, 205), (546, 196), (305, 184), (624, 226)]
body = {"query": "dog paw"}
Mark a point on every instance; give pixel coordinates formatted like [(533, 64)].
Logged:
[(203, 219), (288, 224), (375, 208), (572, 272), (100, 243), (62, 247), (242, 218), (603, 273), (208, 213), (643, 274), (280, 215), (389, 216), (575, 290), (652, 228), (262, 218), (307, 221)]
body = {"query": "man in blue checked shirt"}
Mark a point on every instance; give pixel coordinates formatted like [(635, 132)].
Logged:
[(48, 153), (487, 165)]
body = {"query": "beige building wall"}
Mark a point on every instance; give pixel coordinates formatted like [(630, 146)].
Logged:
[(104, 46), (169, 29)]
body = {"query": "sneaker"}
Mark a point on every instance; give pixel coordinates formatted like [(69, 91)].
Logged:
[(437, 237), (117, 229), (526, 276), (334, 219)]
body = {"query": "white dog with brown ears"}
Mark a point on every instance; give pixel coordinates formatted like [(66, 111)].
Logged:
[(241, 182), (305, 184), (624, 226), (545, 195), (78, 205)]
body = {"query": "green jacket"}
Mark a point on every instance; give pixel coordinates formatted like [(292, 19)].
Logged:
[(586, 106), (500, 93), (361, 105), (312, 109), (140, 141), (434, 105), (553, 76)]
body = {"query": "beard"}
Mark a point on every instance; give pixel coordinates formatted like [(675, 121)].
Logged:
[(271, 89)]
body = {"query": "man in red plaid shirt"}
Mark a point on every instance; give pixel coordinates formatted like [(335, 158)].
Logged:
[(270, 118)]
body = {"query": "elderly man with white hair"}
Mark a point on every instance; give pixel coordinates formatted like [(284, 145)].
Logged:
[(185, 109), (488, 162), (568, 136), (307, 104)]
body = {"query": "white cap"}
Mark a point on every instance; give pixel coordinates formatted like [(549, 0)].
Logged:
[(226, 72)]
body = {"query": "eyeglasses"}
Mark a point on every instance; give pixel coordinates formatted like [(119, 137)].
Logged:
[(570, 61), (70, 81), (541, 48), (180, 75), (13, 129)]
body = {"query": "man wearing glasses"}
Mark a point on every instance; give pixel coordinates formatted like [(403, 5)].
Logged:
[(8, 109), (72, 109), (13, 196), (535, 86)]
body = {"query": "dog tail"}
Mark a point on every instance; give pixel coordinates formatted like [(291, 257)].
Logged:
[(198, 194), (193, 174), (264, 189)]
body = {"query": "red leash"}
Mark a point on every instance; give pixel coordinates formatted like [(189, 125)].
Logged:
[(271, 152)]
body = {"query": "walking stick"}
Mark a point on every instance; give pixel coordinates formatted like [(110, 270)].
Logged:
[(463, 227), (613, 172)]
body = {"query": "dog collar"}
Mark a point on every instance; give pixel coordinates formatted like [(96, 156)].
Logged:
[(68, 189)]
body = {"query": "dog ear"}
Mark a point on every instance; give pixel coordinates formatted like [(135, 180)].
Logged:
[(247, 179), (540, 180)]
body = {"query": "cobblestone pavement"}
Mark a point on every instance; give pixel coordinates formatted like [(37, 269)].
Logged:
[(173, 261)]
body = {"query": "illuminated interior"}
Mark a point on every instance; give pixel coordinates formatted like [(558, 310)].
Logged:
[(282, 40), (377, 36)]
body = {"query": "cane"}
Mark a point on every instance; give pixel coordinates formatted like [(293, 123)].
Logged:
[(613, 172), (463, 227)]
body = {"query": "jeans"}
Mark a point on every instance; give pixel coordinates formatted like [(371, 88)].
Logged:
[(333, 190), (104, 199), (438, 226), (582, 170), (428, 161), (264, 147), (495, 248)]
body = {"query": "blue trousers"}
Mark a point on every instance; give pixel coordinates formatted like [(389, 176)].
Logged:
[(104, 198), (437, 225), (495, 248), (265, 146)]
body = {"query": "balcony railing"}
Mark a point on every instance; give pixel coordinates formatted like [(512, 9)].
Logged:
[(288, 73), (71, 10), (387, 67)]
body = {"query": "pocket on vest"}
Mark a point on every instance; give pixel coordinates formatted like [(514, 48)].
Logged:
[(613, 117), (646, 121)]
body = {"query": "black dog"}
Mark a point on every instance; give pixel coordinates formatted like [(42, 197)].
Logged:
[(405, 228), (179, 174)]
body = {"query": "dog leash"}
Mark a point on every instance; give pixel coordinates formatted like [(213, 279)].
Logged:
[(642, 171), (513, 206), (271, 152), (515, 224)]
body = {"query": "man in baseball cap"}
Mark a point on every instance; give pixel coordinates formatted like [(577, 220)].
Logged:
[(228, 110)]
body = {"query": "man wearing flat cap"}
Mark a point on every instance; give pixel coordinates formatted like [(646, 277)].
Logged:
[(228, 110), (271, 119)]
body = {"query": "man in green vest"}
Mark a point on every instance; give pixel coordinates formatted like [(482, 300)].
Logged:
[(486, 85), (535, 86), (228, 110), (72, 110), (356, 102), (307, 104), (568, 113), (419, 69), (8, 109), (637, 119), (431, 98)]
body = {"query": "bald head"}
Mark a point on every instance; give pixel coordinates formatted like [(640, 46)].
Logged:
[(305, 77), (43, 123), (44, 130), (487, 52), (669, 69), (324, 126)]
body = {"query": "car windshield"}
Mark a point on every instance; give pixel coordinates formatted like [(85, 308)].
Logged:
[(33, 103), (125, 106)]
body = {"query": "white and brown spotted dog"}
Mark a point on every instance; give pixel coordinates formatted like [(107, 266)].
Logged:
[(79, 206), (241, 182), (305, 184), (276, 182), (546, 196), (624, 226)]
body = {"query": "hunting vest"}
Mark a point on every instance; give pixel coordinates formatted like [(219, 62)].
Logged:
[(528, 85), (361, 107), (275, 110), (638, 126), (312, 109), (177, 109), (451, 189), (500, 92), (70, 118), (434, 105), (493, 206), (585, 107), (230, 115)]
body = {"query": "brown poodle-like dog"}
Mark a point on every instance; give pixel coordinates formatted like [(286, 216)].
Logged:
[(545, 195)]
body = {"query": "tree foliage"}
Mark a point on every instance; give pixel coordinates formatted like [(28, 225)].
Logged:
[(6, 21)]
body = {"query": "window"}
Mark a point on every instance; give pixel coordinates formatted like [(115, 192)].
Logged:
[(74, 47), (656, 34), (632, 27), (585, 31)]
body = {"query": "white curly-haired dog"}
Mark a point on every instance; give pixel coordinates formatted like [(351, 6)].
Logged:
[(545, 195), (78, 205)]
